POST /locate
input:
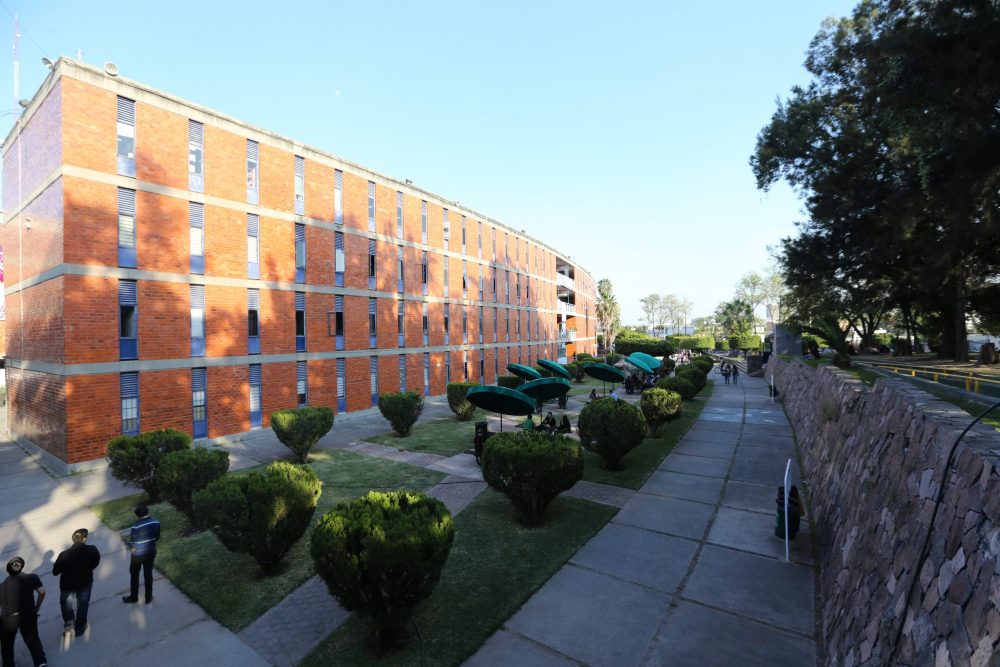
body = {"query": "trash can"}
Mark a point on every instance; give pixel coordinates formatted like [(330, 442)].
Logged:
[(794, 513)]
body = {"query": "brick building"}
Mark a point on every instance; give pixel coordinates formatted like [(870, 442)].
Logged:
[(169, 266)]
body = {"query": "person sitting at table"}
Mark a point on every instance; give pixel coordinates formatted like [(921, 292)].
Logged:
[(549, 421), (593, 395), (528, 424), (565, 426)]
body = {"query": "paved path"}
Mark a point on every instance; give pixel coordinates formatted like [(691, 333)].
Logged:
[(688, 572)]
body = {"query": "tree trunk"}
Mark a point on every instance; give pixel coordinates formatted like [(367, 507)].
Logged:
[(961, 352)]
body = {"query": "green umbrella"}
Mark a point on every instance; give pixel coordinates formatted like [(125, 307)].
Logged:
[(604, 373), (639, 365), (545, 389), (524, 372), (500, 400), (647, 359), (554, 367)]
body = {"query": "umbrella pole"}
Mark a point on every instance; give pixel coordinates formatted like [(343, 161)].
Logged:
[(501, 422)]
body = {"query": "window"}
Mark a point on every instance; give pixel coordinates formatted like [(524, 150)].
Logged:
[(371, 206), (126, 137), (196, 152), (465, 324), (463, 234), (300, 322), (447, 368), (479, 237), (338, 197), (517, 325), (197, 320), (300, 253), (199, 404), (196, 221), (496, 323), (341, 385), (373, 373), (481, 293), (338, 321), (506, 285), (338, 254), (128, 320), (253, 246), (301, 378), (253, 321), (402, 372), (465, 279), (465, 366), (371, 264), (446, 228), (425, 323), (423, 222), (427, 374), (401, 323), (447, 324), (446, 280), (129, 383), (126, 228), (399, 214), (493, 270), (482, 369), (300, 185), (255, 396), (480, 324), (372, 323), (507, 325), (506, 249), (253, 166), (400, 283), (423, 271), (517, 287), (494, 231)]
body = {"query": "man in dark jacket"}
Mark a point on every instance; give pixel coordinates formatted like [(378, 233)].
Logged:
[(142, 543), (75, 569), (19, 611)]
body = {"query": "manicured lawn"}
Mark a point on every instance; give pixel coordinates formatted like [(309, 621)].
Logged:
[(643, 460), (446, 437), (585, 387), (228, 585), (494, 566)]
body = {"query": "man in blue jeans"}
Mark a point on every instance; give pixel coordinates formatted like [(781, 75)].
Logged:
[(142, 543), (75, 569)]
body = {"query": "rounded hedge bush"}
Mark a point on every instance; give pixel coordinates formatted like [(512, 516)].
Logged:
[(659, 406), (702, 363), (509, 381), (612, 358), (667, 366), (694, 374), (186, 472), (261, 514), (382, 554), (134, 459), (679, 385), (457, 401), (611, 429), (301, 429), (531, 469), (402, 409)]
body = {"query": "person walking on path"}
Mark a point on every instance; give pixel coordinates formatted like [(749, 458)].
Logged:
[(726, 372), (142, 544), (736, 374), (19, 611), (75, 568)]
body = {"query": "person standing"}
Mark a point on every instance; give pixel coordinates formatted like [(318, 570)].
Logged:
[(736, 374), (142, 544), (75, 568), (726, 372), (19, 611)]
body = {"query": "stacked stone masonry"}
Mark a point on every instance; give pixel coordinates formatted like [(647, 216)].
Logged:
[(874, 462)]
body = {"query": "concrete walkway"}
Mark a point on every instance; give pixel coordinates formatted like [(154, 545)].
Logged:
[(689, 571)]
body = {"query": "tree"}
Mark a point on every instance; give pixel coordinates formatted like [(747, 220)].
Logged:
[(301, 429), (706, 326), (750, 289), (735, 318), (607, 311), (651, 309)]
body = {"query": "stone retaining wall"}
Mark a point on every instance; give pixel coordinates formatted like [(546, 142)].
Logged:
[(873, 460)]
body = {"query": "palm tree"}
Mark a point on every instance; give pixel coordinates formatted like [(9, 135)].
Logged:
[(607, 311)]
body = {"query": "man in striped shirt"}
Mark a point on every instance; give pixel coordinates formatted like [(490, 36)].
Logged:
[(142, 544)]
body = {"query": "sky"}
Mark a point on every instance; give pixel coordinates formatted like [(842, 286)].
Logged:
[(619, 135)]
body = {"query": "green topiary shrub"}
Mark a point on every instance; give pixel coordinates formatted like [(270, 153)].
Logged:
[(402, 409), (612, 358), (582, 357), (531, 469), (744, 342), (544, 372), (694, 374), (575, 371), (457, 401), (611, 429), (703, 364), (659, 406), (679, 385), (666, 367), (509, 381), (382, 554), (301, 429), (261, 514), (186, 472), (133, 459)]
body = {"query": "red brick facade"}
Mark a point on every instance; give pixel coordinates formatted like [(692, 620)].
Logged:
[(61, 232)]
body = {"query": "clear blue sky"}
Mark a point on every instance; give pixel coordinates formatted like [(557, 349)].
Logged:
[(618, 134)]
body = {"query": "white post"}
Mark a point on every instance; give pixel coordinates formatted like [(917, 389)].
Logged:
[(788, 490)]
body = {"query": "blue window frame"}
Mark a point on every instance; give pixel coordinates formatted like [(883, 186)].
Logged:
[(447, 368), (372, 264), (427, 374), (301, 383), (446, 275), (373, 372), (402, 372), (463, 234), (465, 324), (300, 185), (255, 396), (300, 322), (399, 214), (196, 218), (480, 324), (197, 320), (447, 324), (401, 323), (425, 330), (338, 256), (253, 246), (371, 206), (445, 228), (300, 253), (199, 402), (400, 271), (372, 323), (423, 272), (341, 385), (126, 228), (338, 321), (253, 172), (129, 383), (423, 222), (338, 197), (253, 321), (126, 137), (128, 320), (196, 154)]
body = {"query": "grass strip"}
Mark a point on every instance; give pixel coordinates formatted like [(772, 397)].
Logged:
[(197, 563), (494, 566), (446, 437)]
